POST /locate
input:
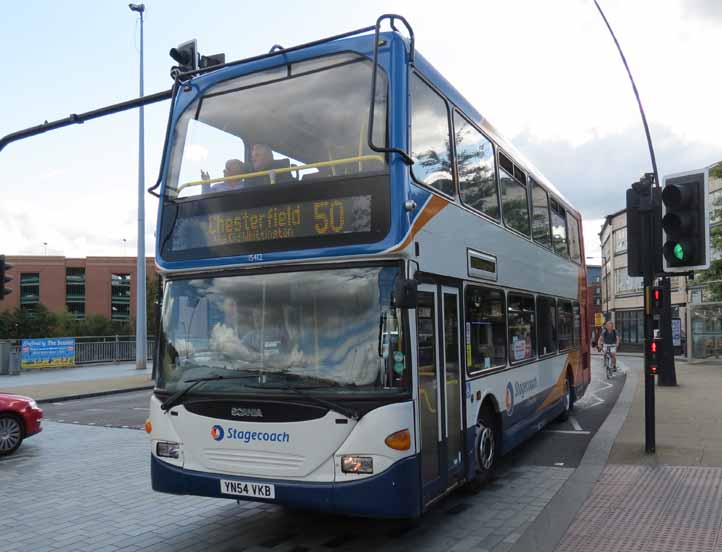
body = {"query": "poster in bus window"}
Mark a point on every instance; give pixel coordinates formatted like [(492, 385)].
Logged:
[(47, 352)]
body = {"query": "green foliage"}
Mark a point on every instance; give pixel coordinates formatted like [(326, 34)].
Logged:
[(714, 273), (40, 322)]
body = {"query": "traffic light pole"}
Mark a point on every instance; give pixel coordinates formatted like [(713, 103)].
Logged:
[(647, 211), (667, 372)]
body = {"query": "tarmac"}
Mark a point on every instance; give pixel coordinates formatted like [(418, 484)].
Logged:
[(619, 498)]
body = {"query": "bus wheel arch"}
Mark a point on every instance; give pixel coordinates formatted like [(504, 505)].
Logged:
[(487, 443)]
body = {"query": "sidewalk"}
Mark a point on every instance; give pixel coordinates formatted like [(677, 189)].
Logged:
[(671, 500), (61, 384)]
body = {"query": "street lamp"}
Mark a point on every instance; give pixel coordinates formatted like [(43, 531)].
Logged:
[(140, 323), (45, 248), (124, 243)]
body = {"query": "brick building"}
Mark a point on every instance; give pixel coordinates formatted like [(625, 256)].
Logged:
[(94, 285)]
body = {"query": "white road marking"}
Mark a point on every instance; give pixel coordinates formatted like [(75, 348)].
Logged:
[(575, 423), (137, 408), (567, 431)]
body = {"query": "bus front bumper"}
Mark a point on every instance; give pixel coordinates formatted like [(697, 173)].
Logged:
[(394, 493)]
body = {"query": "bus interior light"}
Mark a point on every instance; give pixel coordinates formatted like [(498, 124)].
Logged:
[(357, 464), (167, 449), (399, 440)]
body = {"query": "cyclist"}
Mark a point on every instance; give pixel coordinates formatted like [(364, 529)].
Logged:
[(610, 340)]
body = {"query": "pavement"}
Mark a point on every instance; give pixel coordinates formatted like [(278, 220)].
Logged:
[(84, 381), (622, 499)]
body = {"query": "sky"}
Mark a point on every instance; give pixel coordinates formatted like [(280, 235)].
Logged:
[(546, 74)]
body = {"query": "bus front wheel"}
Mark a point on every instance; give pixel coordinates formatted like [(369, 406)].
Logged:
[(485, 449)]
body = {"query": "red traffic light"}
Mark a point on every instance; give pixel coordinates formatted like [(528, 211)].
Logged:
[(653, 369), (653, 347)]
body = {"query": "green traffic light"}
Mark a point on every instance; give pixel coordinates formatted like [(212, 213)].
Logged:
[(679, 252)]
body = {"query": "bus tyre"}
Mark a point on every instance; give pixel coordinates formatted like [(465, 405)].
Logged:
[(567, 400), (485, 450)]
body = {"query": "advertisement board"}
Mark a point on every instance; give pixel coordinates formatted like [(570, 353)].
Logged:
[(47, 352)]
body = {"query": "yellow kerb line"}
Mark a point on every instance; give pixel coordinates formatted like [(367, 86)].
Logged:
[(318, 165)]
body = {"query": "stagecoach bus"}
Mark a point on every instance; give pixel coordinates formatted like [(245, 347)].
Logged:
[(369, 294)]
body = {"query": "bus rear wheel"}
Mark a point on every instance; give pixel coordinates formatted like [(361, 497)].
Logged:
[(567, 400), (485, 449)]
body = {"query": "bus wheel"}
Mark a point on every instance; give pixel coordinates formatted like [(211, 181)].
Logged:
[(567, 400), (485, 449)]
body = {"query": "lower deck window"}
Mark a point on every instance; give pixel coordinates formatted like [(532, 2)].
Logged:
[(522, 330), (566, 320), (485, 328)]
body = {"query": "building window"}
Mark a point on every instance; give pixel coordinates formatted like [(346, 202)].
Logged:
[(630, 327), (120, 297), (475, 168), (626, 284), (75, 292), (620, 241), (29, 290), (547, 317), (485, 328), (522, 329), (566, 322), (430, 144)]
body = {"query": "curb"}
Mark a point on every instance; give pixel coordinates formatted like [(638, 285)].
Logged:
[(548, 529), (91, 395)]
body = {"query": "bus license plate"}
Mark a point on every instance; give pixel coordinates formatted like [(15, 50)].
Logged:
[(246, 488)]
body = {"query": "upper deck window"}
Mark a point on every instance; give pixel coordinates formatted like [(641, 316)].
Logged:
[(540, 216), (302, 121), (430, 143), (475, 168), (559, 229), (515, 205)]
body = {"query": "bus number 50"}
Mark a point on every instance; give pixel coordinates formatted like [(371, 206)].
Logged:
[(328, 215)]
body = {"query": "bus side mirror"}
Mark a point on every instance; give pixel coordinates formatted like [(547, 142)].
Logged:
[(405, 293)]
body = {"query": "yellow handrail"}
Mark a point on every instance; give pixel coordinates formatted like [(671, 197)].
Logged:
[(318, 165)]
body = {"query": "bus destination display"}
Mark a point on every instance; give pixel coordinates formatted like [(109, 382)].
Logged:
[(327, 217)]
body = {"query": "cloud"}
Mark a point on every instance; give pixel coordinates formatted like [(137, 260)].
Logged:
[(704, 9), (595, 175)]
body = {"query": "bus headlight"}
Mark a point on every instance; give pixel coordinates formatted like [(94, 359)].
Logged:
[(357, 464), (167, 449)]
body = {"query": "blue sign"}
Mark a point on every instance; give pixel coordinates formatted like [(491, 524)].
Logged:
[(676, 332), (47, 352)]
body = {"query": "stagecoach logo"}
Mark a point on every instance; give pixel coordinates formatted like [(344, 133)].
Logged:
[(247, 412), (217, 432), (509, 399)]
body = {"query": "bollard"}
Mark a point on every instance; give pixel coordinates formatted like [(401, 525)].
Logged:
[(14, 364)]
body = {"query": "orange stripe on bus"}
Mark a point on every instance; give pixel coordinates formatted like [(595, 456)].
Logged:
[(431, 209)]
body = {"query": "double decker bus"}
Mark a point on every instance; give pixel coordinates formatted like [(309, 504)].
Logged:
[(369, 294)]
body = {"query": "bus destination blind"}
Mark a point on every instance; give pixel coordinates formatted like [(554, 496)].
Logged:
[(306, 219)]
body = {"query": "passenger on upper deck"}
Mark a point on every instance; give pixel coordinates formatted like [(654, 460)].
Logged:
[(261, 160)]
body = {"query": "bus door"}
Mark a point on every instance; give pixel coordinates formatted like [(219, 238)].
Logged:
[(439, 376)]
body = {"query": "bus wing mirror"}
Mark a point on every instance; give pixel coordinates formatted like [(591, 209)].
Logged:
[(405, 293)]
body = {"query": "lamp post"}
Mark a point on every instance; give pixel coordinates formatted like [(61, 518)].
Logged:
[(124, 243), (45, 248), (140, 323)]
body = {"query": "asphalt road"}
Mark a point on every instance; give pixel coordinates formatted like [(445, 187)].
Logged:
[(561, 444)]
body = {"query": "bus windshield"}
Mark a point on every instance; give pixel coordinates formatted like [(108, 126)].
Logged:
[(331, 330), (296, 122)]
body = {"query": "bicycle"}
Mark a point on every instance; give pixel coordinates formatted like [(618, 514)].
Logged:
[(608, 367)]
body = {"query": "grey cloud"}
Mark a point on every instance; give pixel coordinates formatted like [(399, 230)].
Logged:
[(595, 175), (704, 9)]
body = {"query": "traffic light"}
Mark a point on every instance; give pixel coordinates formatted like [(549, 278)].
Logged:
[(4, 278), (657, 300), (186, 55), (685, 222), (644, 235), (654, 353)]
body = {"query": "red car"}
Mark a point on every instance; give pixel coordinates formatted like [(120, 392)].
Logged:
[(20, 417)]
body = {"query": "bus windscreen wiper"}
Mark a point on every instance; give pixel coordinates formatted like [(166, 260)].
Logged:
[(176, 397), (334, 405)]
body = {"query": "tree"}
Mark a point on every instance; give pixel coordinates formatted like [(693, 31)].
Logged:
[(713, 275)]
